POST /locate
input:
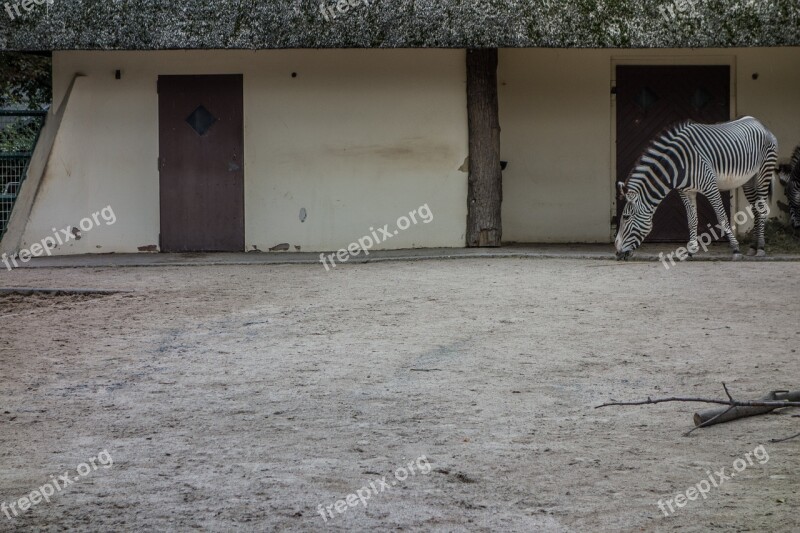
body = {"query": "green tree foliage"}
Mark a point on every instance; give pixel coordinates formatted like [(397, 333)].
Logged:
[(25, 80), (19, 134), (25, 84)]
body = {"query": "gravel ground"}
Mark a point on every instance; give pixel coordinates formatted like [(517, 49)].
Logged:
[(243, 398)]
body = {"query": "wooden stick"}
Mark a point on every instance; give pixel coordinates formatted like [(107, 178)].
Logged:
[(758, 403), (787, 438), (719, 415)]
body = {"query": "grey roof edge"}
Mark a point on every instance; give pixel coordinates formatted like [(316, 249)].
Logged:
[(253, 24)]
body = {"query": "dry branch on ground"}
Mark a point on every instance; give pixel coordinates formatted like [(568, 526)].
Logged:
[(734, 410)]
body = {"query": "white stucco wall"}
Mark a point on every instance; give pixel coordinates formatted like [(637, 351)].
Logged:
[(102, 156), (357, 138), (558, 131), (555, 121), (773, 98)]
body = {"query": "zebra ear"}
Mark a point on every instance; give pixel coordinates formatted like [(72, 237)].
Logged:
[(620, 190)]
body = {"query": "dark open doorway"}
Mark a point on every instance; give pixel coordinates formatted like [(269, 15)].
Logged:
[(651, 98)]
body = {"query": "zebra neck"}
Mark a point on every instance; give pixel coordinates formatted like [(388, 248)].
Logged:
[(653, 189)]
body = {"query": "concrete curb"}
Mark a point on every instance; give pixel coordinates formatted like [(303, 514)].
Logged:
[(305, 258)]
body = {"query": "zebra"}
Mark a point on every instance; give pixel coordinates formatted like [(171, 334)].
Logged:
[(699, 158), (790, 178)]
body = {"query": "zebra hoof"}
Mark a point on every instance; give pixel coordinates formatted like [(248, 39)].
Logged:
[(761, 253), (751, 252), (737, 256)]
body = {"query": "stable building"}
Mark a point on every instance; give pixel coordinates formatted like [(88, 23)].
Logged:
[(214, 126)]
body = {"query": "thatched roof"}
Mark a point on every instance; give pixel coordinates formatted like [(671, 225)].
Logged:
[(263, 24)]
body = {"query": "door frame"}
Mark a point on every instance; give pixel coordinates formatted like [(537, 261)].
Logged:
[(654, 60)]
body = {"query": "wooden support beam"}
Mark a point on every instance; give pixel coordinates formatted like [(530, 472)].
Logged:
[(485, 189)]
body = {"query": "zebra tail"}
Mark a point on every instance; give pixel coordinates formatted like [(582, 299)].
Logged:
[(772, 185)]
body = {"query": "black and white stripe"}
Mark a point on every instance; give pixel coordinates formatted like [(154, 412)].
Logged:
[(791, 183), (699, 158)]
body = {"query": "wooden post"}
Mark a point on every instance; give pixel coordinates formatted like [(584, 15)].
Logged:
[(485, 189)]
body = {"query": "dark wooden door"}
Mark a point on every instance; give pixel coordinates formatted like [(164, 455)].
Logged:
[(201, 167), (650, 98)]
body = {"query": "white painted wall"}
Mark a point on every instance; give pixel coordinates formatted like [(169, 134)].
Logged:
[(101, 157), (773, 98), (557, 120), (357, 138)]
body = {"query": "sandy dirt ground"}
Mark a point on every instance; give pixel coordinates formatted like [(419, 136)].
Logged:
[(243, 398)]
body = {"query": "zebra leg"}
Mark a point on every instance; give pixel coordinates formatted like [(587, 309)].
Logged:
[(757, 248), (715, 198), (689, 199), (757, 193)]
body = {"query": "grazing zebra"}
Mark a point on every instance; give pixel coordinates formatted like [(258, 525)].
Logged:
[(791, 182), (699, 158)]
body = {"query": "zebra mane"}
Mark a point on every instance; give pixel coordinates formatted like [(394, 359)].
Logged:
[(671, 129)]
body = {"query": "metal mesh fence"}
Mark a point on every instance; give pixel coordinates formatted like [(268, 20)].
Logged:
[(19, 131)]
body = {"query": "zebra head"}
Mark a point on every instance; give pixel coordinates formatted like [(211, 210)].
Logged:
[(790, 178), (635, 223)]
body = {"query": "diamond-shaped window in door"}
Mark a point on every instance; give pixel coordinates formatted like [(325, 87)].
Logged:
[(645, 99), (701, 98), (201, 120)]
